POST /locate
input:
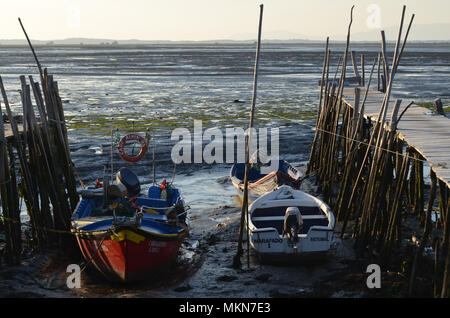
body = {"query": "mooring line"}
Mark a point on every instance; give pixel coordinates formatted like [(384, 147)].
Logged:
[(73, 232), (351, 139)]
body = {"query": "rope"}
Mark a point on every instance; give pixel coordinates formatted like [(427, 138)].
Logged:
[(56, 121), (74, 231), (39, 227), (78, 176), (173, 173), (351, 139), (160, 208), (97, 254)]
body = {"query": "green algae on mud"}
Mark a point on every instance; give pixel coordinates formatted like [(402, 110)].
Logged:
[(430, 105), (101, 124)]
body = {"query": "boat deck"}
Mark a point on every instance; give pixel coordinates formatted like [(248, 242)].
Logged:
[(274, 217)]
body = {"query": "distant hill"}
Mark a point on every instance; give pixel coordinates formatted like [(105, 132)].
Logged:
[(78, 41), (279, 35), (420, 32)]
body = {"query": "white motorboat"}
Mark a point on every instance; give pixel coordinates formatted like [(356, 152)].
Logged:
[(290, 223)]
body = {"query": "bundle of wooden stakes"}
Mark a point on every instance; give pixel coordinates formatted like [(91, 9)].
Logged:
[(368, 174), (47, 183)]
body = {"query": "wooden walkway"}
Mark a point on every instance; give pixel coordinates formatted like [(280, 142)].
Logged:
[(428, 133), (8, 131)]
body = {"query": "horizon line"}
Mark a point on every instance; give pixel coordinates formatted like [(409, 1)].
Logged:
[(212, 40)]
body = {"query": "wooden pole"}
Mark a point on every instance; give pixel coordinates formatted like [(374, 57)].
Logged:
[(9, 198), (379, 79), (349, 162), (13, 201), (319, 108), (333, 148), (47, 162), (366, 92), (404, 41), (153, 156), (438, 106), (315, 155), (436, 281), (384, 59), (426, 232), (32, 204), (373, 188), (444, 215), (244, 210), (322, 84), (355, 66), (32, 50), (363, 76), (385, 103), (54, 110), (446, 248)]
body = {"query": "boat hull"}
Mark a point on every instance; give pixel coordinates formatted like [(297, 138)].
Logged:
[(262, 184), (127, 256), (271, 247), (293, 259), (267, 225)]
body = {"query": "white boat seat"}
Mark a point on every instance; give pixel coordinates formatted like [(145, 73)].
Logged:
[(277, 222), (281, 218)]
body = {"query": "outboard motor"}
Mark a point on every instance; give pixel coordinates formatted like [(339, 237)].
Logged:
[(127, 184), (293, 223)]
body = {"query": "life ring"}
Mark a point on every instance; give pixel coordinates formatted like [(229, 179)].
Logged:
[(127, 138)]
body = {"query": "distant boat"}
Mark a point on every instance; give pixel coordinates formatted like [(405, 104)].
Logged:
[(126, 236), (259, 183), (288, 223)]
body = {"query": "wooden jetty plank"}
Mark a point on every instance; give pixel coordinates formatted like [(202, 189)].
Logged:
[(427, 132), (8, 131)]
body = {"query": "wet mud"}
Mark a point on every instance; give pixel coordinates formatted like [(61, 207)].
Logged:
[(203, 268)]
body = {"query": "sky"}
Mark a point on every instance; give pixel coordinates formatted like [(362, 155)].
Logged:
[(206, 19)]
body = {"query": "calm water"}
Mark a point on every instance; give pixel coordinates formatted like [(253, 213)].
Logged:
[(165, 87)]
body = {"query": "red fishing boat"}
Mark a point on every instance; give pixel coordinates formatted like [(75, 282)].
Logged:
[(128, 237)]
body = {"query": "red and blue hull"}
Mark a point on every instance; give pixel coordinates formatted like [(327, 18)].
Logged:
[(129, 254), (129, 248)]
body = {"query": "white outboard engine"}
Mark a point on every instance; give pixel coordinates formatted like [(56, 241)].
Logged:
[(293, 223), (127, 184)]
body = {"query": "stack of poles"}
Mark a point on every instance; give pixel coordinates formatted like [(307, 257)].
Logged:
[(47, 183), (367, 173), (9, 196)]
